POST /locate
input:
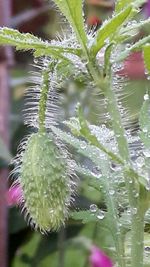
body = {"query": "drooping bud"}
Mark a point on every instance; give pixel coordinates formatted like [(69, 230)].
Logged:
[(45, 182)]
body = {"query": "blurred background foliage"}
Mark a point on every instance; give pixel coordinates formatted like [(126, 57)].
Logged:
[(68, 247)]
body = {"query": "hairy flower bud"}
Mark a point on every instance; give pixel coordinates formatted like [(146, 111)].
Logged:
[(45, 182)]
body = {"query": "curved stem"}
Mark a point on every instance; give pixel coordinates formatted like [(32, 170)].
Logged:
[(43, 99)]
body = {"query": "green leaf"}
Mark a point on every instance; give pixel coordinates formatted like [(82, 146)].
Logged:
[(74, 126), (72, 9), (144, 121), (146, 251), (107, 57), (85, 132), (121, 4), (146, 53), (91, 179), (109, 27), (138, 46), (80, 128), (85, 216), (27, 41), (128, 32), (144, 116), (26, 250), (93, 153)]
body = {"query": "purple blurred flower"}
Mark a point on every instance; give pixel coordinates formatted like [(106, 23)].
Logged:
[(14, 195), (147, 8), (99, 259)]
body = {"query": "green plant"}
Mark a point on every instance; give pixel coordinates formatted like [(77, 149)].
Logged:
[(96, 58)]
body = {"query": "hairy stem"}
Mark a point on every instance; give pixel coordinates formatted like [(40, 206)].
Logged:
[(43, 99), (130, 176), (137, 242), (112, 210), (137, 228)]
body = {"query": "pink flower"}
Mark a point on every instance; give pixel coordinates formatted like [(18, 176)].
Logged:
[(14, 195), (99, 259), (147, 8), (133, 67), (94, 21)]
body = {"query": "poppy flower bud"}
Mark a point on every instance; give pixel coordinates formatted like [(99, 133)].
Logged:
[(45, 182)]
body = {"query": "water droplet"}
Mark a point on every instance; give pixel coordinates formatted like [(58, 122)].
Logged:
[(35, 60), (129, 212), (100, 214), (111, 192), (147, 248), (148, 185), (134, 211), (146, 153), (136, 195), (93, 208), (128, 46), (140, 162), (83, 145), (146, 97), (145, 130)]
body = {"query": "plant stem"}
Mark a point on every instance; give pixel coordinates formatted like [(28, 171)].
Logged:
[(61, 247), (43, 99), (112, 210), (137, 219), (137, 231), (122, 143), (117, 123), (130, 181)]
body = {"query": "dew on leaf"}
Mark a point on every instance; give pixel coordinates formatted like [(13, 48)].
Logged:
[(134, 211), (146, 153), (140, 161), (35, 60), (100, 215), (83, 145), (147, 248), (145, 130), (111, 192), (146, 97), (93, 208)]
